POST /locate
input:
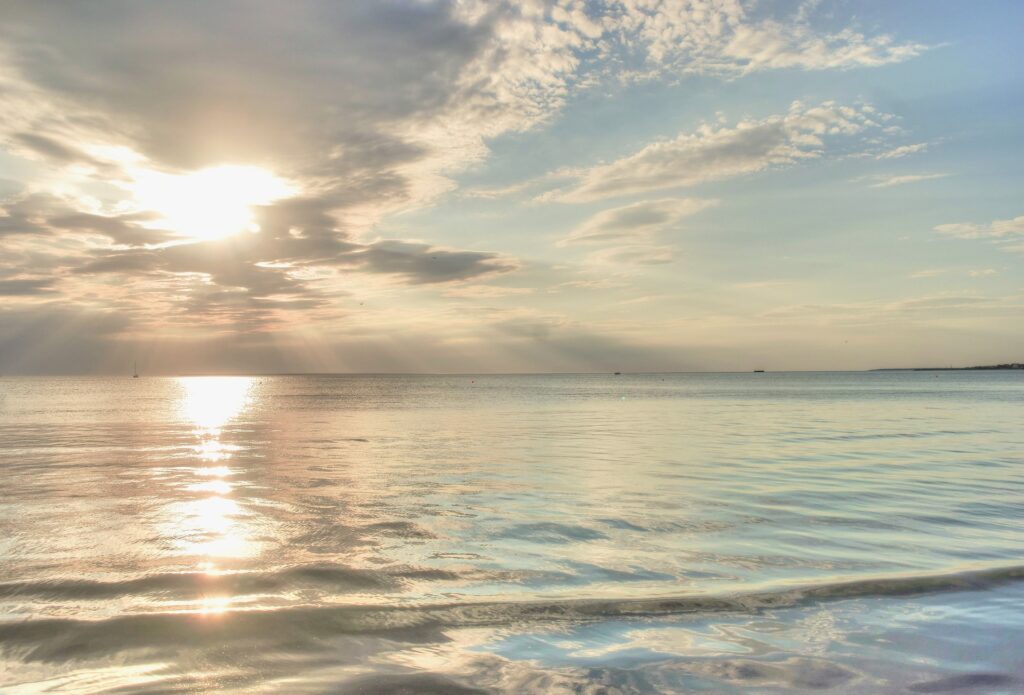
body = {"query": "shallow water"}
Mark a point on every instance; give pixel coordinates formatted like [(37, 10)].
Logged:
[(860, 532)]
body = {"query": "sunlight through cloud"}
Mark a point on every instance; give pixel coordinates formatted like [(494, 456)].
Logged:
[(207, 204)]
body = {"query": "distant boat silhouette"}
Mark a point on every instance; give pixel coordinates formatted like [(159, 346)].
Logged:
[(135, 370), (618, 373), (758, 371)]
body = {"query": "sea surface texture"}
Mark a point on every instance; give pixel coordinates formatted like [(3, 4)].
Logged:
[(723, 533)]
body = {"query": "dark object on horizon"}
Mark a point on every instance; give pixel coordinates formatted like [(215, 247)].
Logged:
[(758, 371), (618, 373), (135, 370)]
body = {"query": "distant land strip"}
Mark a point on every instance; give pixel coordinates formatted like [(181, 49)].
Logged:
[(1009, 365)]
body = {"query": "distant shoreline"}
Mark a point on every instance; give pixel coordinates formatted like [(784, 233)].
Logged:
[(1011, 365)]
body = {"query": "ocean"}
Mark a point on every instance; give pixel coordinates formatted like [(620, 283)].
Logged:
[(722, 533)]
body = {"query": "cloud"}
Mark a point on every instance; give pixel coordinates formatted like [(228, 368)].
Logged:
[(26, 287), (928, 308), (485, 291), (516, 188), (367, 108), (602, 283), (26, 214), (936, 272), (424, 83), (47, 214), (632, 255), (722, 38), (902, 151), (391, 94), (419, 263), (35, 144), (246, 282), (714, 153), (635, 222), (127, 230), (775, 45), (999, 229), (886, 181), (630, 231), (1008, 234)]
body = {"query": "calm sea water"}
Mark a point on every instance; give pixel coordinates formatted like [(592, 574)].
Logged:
[(859, 532)]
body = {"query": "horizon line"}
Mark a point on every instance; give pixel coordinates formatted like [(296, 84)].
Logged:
[(552, 373)]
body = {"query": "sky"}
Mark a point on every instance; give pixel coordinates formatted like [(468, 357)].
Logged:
[(417, 186)]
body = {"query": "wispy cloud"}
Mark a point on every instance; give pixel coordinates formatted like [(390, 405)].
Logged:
[(937, 272), (630, 232), (998, 229), (934, 307), (1008, 234), (902, 151), (485, 291), (886, 181), (640, 255), (927, 273), (719, 152), (636, 222)]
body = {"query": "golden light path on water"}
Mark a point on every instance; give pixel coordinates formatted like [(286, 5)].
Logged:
[(212, 526)]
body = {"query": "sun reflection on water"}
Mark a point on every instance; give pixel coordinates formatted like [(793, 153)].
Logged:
[(210, 524), (210, 402)]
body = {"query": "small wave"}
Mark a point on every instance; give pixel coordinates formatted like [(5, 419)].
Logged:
[(332, 577), (53, 639)]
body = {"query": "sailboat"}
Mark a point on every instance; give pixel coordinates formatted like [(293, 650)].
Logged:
[(135, 370)]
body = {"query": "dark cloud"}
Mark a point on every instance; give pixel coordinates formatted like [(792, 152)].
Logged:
[(423, 264), (362, 105), (43, 213), (26, 287), (238, 82), (122, 229), (297, 232), (27, 214), (58, 152), (48, 147), (119, 262)]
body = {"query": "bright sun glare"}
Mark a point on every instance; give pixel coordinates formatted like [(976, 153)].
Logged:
[(210, 203)]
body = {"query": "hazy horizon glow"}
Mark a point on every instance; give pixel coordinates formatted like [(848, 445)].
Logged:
[(464, 186)]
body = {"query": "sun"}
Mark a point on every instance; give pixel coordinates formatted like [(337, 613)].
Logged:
[(207, 204)]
